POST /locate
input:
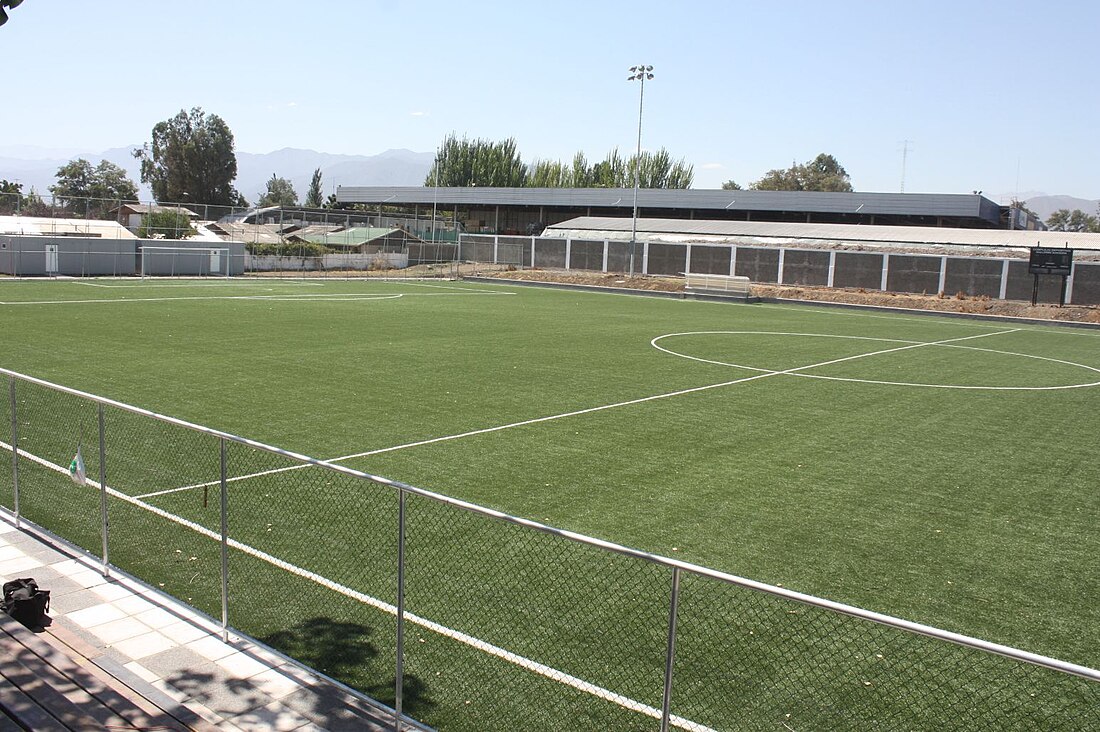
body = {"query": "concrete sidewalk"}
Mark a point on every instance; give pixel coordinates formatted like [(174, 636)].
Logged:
[(173, 655)]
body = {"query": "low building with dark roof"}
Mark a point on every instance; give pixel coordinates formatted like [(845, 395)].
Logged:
[(130, 214), (529, 210)]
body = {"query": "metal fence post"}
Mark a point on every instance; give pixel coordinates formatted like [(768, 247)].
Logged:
[(225, 548), (103, 491), (14, 451), (670, 654), (400, 666)]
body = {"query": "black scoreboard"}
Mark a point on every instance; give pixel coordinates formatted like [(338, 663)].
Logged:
[(1050, 261)]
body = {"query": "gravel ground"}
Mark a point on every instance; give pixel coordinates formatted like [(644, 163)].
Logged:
[(952, 304)]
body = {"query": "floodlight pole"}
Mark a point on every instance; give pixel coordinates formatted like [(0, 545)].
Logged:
[(641, 72), (435, 198)]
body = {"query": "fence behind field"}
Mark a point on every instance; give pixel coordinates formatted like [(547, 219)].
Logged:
[(468, 618), (973, 276)]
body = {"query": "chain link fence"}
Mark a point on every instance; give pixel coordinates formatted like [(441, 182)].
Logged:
[(107, 237), (469, 619)]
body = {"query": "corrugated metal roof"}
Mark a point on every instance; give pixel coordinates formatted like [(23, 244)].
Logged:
[(906, 204), (45, 226), (144, 208), (252, 233), (839, 233), (346, 237)]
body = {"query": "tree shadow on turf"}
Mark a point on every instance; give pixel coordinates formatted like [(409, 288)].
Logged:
[(340, 650)]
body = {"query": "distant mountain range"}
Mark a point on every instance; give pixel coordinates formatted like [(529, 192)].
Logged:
[(36, 168), (1044, 206)]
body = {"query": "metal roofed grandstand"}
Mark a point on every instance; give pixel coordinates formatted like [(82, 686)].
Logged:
[(934, 209), (767, 232)]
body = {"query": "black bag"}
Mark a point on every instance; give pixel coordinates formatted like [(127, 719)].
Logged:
[(26, 603)]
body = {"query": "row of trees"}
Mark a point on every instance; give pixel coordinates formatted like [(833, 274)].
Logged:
[(823, 173), (191, 160), (84, 190), (463, 162), (1075, 220), (280, 192)]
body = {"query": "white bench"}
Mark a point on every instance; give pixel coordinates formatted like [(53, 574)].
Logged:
[(733, 285)]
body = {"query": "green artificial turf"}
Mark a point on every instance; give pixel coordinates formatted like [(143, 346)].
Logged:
[(887, 485)]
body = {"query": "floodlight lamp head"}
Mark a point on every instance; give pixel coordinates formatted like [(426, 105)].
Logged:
[(633, 69), (649, 76), (647, 68)]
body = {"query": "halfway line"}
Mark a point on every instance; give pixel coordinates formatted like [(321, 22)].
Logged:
[(579, 412)]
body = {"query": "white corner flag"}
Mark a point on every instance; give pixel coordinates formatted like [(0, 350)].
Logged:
[(76, 468)]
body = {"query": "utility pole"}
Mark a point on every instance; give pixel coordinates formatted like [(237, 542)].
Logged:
[(904, 157)]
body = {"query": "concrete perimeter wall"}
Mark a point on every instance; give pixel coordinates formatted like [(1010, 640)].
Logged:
[(38, 256), (72, 256), (974, 276)]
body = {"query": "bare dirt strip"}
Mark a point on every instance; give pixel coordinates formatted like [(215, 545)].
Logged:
[(942, 303)]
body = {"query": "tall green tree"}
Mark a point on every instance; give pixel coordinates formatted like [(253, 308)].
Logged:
[(823, 173), (33, 205), (731, 185), (485, 163), (548, 174), (279, 192), (315, 198), (463, 162), (1076, 220), (659, 170), (581, 174), (610, 172), (92, 191), (166, 224), (191, 160), (11, 197)]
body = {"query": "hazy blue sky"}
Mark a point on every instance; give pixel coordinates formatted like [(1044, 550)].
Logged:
[(998, 96)]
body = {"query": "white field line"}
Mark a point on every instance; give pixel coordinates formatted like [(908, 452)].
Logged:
[(457, 635), (308, 297), (965, 387), (642, 400), (191, 283), (459, 289), (590, 410)]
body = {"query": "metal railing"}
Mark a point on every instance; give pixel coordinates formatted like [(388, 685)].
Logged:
[(468, 618)]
